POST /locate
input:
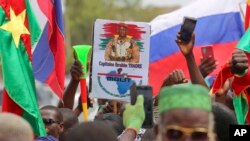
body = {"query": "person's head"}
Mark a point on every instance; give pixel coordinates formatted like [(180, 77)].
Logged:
[(114, 121), (91, 131), (69, 120), (223, 117), (119, 70), (122, 30), (185, 113), (14, 128), (53, 120)]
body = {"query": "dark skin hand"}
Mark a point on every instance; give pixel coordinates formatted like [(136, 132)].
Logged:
[(207, 66), (69, 93), (175, 77), (76, 70), (128, 135), (78, 110), (187, 51), (222, 97), (111, 107), (239, 62)]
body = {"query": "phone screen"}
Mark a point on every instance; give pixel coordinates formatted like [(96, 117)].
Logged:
[(187, 29), (146, 91), (207, 51)]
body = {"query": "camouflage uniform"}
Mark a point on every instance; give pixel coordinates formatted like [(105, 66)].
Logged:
[(125, 50)]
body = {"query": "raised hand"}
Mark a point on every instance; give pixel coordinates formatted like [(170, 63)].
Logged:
[(207, 66), (175, 77), (239, 62), (76, 70), (134, 115), (185, 48)]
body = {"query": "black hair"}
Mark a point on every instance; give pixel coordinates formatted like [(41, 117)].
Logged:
[(91, 131), (69, 118), (114, 121), (223, 117), (53, 108)]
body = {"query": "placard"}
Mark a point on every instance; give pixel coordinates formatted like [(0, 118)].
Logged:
[(120, 58)]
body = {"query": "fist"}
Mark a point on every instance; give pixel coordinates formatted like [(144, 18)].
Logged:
[(239, 62), (76, 70), (175, 77)]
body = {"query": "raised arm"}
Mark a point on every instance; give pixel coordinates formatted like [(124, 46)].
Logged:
[(187, 51), (69, 93)]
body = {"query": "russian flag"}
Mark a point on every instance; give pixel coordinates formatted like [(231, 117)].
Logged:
[(219, 24), (49, 53)]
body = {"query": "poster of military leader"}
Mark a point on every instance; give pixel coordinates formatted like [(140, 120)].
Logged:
[(120, 58)]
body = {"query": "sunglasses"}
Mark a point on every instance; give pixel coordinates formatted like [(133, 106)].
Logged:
[(49, 121), (174, 132)]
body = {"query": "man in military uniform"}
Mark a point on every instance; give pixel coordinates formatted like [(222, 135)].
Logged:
[(122, 47)]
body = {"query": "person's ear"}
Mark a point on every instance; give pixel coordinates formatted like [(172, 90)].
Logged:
[(61, 127)]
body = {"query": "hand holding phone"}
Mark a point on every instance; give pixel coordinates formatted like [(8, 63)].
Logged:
[(146, 92), (208, 62), (187, 29), (207, 51)]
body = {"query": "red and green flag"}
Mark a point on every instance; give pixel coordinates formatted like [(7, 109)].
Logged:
[(240, 84), (19, 30)]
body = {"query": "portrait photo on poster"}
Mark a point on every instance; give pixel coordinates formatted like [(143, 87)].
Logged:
[(120, 58)]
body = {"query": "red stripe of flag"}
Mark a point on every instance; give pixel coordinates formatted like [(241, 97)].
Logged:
[(121, 75), (9, 105), (56, 42)]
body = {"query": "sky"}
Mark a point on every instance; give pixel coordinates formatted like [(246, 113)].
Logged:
[(162, 3), (166, 2)]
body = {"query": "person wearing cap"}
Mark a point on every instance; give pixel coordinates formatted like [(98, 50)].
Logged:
[(122, 47), (185, 113)]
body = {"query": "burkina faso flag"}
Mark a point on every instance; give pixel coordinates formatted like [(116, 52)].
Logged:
[(19, 30)]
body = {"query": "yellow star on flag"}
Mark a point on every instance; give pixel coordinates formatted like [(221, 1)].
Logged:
[(16, 26)]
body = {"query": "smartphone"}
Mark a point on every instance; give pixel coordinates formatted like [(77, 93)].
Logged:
[(187, 29), (146, 92), (133, 94), (207, 51)]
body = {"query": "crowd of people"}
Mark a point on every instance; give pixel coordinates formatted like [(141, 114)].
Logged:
[(183, 110)]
